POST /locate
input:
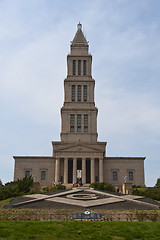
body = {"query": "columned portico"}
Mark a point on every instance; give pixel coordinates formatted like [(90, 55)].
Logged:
[(85, 164), (57, 170), (74, 170), (92, 170), (83, 170), (101, 170), (65, 170)]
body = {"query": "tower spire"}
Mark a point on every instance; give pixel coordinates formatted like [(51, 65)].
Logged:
[(79, 45), (79, 26)]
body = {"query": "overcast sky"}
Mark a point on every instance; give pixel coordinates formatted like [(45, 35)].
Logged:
[(124, 39)]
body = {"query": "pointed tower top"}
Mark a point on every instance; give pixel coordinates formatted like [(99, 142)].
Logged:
[(79, 26), (79, 38)]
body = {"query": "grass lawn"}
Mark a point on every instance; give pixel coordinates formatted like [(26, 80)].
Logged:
[(30, 230)]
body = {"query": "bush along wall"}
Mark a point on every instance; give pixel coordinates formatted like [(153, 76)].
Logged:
[(103, 186), (17, 188), (150, 192), (54, 189)]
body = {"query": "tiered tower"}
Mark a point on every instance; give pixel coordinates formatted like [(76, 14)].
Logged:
[(79, 117), (79, 114)]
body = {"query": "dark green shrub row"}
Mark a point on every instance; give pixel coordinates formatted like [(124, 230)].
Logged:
[(17, 188), (55, 188), (150, 192), (103, 186)]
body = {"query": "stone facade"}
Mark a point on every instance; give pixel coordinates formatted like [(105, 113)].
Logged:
[(79, 156), (35, 166), (123, 166)]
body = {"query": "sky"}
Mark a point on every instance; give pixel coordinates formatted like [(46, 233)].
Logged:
[(124, 40)]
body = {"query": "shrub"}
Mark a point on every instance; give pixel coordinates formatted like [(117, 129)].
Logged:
[(17, 188), (141, 215), (154, 216), (1, 184), (25, 184), (60, 187), (32, 191), (55, 188), (158, 183), (153, 192), (139, 191), (150, 192), (103, 186), (45, 189)]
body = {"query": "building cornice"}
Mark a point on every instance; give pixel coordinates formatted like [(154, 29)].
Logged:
[(32, 157), (125, 158)]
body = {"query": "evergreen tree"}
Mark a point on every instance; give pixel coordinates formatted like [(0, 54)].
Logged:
[(1, 184), (158, 183)]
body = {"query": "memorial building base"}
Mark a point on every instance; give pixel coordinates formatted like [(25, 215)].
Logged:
[(80, 163)]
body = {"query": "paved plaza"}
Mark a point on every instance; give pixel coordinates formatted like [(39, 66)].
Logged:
[(84, 198)]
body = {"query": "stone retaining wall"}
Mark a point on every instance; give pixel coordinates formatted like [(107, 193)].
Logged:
[(68, 214)]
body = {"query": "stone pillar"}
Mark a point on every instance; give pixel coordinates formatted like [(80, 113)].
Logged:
[(92, 170), (74, 170), (83, 170), (65, 170), (57, 170), (100, 169)]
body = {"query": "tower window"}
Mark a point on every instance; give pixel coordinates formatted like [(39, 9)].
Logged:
[(79, 93), (72, 122), (43, 175), (78, 123), (73, 93), (114, 175), (85, 93), (74, 67), (79, 67), (85, 122), (84, 67), (130, 176), (27, 173)]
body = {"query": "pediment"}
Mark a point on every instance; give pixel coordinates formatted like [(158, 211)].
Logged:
[(79, 148)]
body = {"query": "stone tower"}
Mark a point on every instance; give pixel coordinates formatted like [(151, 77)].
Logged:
[(79, 114), (83, 153)]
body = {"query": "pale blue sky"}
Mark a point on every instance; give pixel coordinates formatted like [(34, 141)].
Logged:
[(124, 38)]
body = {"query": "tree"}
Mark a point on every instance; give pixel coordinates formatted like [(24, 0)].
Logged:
[(17, 188), (1, 184), (158, 183), (24, 184)]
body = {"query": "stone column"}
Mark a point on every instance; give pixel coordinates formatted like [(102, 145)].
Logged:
[(92, 170), (74, 170), (83, 170), (100, 169), (57, 170), (65, 170)]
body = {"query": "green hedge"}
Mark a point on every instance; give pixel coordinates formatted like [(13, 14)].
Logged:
[(150, 192), (55, 188), (103, 186)]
